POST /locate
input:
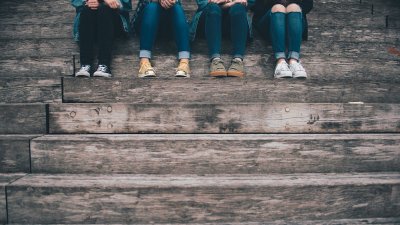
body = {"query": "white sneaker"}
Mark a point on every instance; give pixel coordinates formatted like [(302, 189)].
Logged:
[(84, 71), (297, 70), (282, 70), (103, 71)]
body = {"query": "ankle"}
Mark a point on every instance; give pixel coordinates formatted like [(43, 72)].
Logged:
[(144, 60), (293, 61), (281, 60)]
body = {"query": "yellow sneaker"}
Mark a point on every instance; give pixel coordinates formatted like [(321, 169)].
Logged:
[(183, 70), (146, 70)]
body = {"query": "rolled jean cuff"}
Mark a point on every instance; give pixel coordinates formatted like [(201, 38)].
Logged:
[(238, 56), (145, 54), (280, 55), (216, 55), (294, 55), (184, 55)]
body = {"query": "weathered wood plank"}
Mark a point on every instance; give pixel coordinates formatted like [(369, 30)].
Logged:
[(66, 47), (15, 153), (256, 65), (5, 179), (30, 90), (224, 118), (227, 90), (199, 199), (22, 119), (215, 154)]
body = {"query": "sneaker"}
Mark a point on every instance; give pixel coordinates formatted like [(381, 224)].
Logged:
[(297, 70), (282, 70), (84, 71), (103, 71), (217, 68), (237, 68), (146, 70), (183, 70)]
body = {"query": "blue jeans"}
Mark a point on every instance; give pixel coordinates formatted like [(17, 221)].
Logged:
[(150, 19), (215, 21), (285, 32)]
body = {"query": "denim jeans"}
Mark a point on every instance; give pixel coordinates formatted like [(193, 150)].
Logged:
[(152, 16), (285, 32), (101, 26), (216, 21)]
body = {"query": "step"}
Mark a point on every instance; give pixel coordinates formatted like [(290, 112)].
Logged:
[(15, 153), (214, 154), (224, 118), (30, 90), (5, 179), (200, 199), (208, 90), (66, 47), (23, 119)]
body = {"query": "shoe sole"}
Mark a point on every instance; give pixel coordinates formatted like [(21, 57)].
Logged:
[(235, 74), (102, 75), (182, 74), (82, 75), (218, 74), (300, 76)]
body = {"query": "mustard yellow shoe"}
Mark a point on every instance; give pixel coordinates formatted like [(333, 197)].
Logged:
[(183, 70), (146, 70)]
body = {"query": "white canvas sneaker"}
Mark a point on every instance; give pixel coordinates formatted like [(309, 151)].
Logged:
[(297, 70), (282, 70)]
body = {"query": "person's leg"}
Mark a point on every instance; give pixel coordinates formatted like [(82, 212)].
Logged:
[(87, 32), (278, 40), (239, 29), (294, 30), (213, 30), (181, 35), (238, 32), (105, 33), (295, 33), (278, 31), (149, 23)]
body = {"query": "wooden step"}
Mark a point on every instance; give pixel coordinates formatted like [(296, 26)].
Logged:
[(23, 119), (15, 153), (213, 154), (208, 90), (30, 90), (199, 199), (224, 118), (5, 179)]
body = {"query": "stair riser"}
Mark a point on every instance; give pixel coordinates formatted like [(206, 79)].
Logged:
[(208, 204), (23, 119), (14, 154), (206, 155), (223, 118)]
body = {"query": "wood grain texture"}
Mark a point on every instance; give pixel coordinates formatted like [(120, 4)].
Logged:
[(15, 153), (5, 179), (214, 154), (22, 119), (199, 199), (30, 90), (224, 118), (208, 90)]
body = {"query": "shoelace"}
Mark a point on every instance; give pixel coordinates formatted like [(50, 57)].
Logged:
[(283, 66), (183, 66), (85, 68), (217, 63), (146, 67), (102, 68), (297, 66)]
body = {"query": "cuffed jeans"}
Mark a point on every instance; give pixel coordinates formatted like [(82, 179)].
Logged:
[(149, 26), (285, 32), (215, 20)]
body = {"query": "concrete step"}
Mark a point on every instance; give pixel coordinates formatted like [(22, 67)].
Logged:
[(224, 118), (208, 90), (5, 179), (23, 119), (15, 153), (200, 199), (30, 90), (215, 154)]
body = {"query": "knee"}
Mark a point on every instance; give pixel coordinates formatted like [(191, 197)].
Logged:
[(293, 8), (278, 8), (237, 10), (214, 9), (152, 6)]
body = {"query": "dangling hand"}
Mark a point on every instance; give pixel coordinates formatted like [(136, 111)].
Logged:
[(166, 4), (114, 4), (230, 3), (92, 4)]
